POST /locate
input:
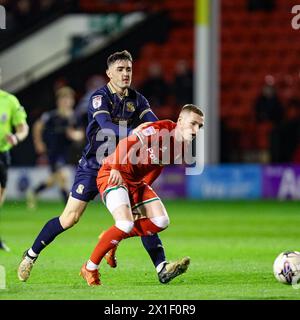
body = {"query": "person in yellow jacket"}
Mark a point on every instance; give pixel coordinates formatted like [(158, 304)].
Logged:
[(13, 130)]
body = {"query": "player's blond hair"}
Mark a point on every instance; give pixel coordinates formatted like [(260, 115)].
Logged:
[(192, 108)]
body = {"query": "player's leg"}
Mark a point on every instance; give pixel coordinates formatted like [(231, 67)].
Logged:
[(152, 243), (84, 189), (31, 195), (4, 163), (2, 195), (61, 179), (157, 214), (153, 218), (55, 165), (71, 215), (118, 203), (3, 246)]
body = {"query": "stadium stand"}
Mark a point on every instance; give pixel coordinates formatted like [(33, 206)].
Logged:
[(244, 67)]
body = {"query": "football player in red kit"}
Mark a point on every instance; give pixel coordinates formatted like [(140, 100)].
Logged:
[(126, 175)]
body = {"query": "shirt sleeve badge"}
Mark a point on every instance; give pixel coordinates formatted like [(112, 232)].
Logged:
[(148, 131), (97, 101)]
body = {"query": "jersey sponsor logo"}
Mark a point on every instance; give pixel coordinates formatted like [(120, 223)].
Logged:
[(148, 131), (152, 156), (130, 107), (3, 117), (97, 101), (80, 189)]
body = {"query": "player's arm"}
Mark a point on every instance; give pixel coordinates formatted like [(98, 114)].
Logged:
[(19, 123), (37, 134), (105, 122), (121, 157), (75, 134), (99, 107), (145, 112), (22, 131)]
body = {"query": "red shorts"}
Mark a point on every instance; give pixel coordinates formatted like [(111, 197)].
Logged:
[(139, 192)]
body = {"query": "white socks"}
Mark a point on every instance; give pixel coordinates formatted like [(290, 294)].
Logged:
[(31, 253), (160, 266), (91, 265)]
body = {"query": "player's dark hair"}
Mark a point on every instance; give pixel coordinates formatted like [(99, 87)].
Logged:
[(192, 108), (119, 55)]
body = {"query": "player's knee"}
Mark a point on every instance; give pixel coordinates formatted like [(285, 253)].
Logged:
[(161, 221), (124, 225), (70, 218)]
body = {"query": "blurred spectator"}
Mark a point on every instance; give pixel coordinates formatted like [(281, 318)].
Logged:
[(268, 107), (285, 139), (183, 83), (47, 7), (264, 5), (155, 88), (24, 13)]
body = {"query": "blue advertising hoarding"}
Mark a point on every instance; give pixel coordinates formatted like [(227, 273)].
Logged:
[(226, 182)]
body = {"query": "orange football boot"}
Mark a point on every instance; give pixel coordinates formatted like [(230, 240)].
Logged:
[(92, 277)]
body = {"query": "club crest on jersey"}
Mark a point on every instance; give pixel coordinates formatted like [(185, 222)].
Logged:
[(97, 101), (130, 107), (148, 131), (80, 189), (3, 117)]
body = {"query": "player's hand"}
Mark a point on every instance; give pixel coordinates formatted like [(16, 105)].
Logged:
[(12, 139), (141, 127), (115, 177), (75, 134)]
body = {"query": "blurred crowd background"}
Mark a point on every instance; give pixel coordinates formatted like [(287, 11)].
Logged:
[(259, 69)]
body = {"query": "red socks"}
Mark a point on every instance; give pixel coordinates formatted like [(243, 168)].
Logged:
[(109, 240), (112, 237)]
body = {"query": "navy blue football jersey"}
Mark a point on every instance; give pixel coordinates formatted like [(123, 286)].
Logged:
[(110, 118)]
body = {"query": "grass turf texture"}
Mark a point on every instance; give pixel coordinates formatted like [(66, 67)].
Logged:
[(232, 246)]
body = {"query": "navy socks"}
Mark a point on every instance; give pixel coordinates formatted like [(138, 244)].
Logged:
[(154, 247), (51, 229), (41, 187)]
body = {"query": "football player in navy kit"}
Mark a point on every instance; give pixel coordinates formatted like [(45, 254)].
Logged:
[(53, 134)]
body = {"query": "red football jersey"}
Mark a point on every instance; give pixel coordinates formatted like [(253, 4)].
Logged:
[(141, 156)]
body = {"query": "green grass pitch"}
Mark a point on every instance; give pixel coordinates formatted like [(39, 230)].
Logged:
[(232, 246)]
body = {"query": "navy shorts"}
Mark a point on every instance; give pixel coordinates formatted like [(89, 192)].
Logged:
[(84, 187)]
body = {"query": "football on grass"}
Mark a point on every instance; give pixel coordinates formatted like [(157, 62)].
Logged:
[(286, 267)]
